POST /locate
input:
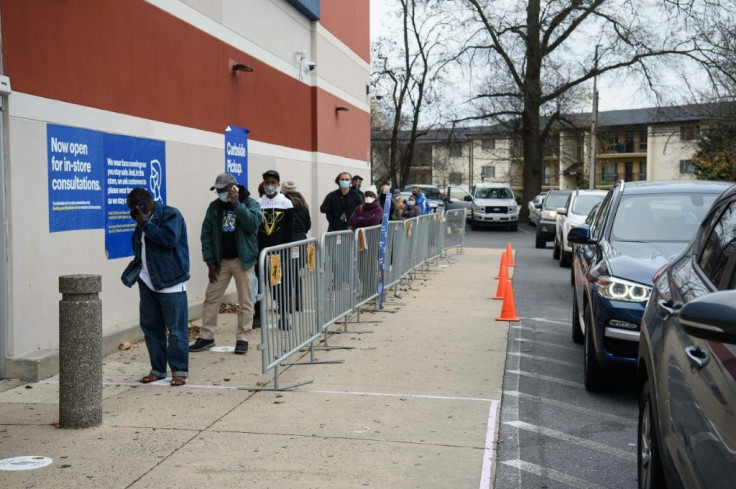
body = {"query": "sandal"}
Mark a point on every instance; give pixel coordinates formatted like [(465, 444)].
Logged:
[(177, 381), (150, 378)]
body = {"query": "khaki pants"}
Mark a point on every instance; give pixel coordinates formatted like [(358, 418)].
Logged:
[(216, 291)]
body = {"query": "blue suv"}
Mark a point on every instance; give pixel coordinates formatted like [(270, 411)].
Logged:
[(639, 227)]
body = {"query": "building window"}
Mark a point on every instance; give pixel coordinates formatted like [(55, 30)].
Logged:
[(686, 166), (629, 171), (489, 172), (689, 133), (546, 175), (642, 139), (455, 178), (609, 172), (456, 151), (629, 142), (488, 144), (642, 170)]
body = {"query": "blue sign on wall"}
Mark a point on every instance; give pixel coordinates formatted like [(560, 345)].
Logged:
[(129, 163), (382, 248), (75, 182), (236, 153)]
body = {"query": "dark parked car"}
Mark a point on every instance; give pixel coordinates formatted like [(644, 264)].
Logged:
[(639, 227), (547, 218), (687, 363)]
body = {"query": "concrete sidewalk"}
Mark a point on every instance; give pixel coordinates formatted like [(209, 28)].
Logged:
[(414, 405)]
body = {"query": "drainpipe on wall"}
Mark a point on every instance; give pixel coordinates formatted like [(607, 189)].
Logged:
[(4, 222)]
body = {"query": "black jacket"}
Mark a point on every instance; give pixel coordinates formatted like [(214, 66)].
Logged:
[(338, 208), (302, 223)]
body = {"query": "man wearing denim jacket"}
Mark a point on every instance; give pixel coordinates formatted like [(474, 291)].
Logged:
[(160, 266)]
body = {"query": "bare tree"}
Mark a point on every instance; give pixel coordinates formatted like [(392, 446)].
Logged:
[(408, 76), (541, 54)]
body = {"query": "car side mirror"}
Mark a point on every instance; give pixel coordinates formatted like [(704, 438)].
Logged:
[(561, 211), (711, 317), (538, 206), (580, 235), (468, 198)]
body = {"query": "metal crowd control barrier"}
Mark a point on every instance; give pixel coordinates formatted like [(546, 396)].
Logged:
[(306, 286), (454, 235), (288, 298)]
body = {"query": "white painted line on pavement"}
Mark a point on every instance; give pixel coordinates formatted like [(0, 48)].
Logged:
[(571, 407), (382, 394), (534, 330), (532, 341), (486, 473), (554, 475), (523, 230), (553, 321), (547, 359), (546, 378), (599, 447)]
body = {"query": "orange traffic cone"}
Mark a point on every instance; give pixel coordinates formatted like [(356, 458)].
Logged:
[(509, 255), (508, 310), (504, 264), (503, 277)]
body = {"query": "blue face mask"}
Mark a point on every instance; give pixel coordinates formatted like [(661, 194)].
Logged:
[(344, 183), (222, 196)]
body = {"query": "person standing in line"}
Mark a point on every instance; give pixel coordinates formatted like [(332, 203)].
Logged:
[(368, 214), (339, 204), (412, 210), (397, 206), (160, 267), (422, 202), (356, 183), (230, 250), (277, 226), (302, 225)]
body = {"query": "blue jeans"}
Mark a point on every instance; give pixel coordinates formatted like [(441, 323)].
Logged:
[(159, 313)]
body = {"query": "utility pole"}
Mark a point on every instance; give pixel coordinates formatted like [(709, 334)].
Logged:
[(591, 176), (470, 165)]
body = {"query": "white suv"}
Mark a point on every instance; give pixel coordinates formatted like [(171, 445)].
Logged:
[(494, 204)]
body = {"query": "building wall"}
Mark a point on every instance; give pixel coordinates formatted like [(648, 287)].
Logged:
[(160, 69), (664, 152)]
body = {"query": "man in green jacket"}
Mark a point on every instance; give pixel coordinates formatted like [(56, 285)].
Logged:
[(230, 249)]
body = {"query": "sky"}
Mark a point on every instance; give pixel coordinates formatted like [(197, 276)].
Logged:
[(614, 92)]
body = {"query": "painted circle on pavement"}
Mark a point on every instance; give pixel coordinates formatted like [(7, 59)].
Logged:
[(24, 463)]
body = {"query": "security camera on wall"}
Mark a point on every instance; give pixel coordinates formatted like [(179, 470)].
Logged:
[(311, 65)]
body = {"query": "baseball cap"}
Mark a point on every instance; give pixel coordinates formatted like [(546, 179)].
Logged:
[(223, 180), (273, 174)]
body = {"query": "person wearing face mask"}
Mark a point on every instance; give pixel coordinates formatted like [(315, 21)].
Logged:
[(357, 181), (368, 214), (277, 226), (339, 204), (412, 210), (422, 202), (230, 250)]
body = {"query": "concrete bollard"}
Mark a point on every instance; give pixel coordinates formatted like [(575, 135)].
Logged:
[(80, 351)]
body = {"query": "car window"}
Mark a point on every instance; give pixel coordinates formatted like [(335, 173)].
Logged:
[(458, 193), (597, 227), (584, 203), (660, 217), (720, 245), (493, 193), (591, 215), (555, 200), (431, 193)]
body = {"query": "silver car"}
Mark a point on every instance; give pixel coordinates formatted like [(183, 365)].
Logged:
[(534, 207)]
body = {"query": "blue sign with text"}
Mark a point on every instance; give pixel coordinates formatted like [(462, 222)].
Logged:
[(382, 249), (236, 153), (75, 178), (130, 162)]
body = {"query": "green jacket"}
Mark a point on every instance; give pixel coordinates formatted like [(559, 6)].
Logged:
[(248, 220)]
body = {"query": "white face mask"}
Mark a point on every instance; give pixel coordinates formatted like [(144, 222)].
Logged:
[(370, 200)]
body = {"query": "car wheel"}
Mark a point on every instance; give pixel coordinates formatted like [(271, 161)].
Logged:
[(556, 251), (649, 465), (594, 374), (577, 333), (514, 227), (565, 259)]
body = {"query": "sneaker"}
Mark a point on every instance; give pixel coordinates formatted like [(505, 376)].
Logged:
[(241, 346), (201, 345)]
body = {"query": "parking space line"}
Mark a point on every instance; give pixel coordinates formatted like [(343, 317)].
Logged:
[(545, 320), (552, 332), (546, 378), (571, 407), (551, 474), (593, 445), (571, 349), (486, 473), (547, 359)]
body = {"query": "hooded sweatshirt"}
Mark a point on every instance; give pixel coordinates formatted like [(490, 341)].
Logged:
[(366, 215)]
